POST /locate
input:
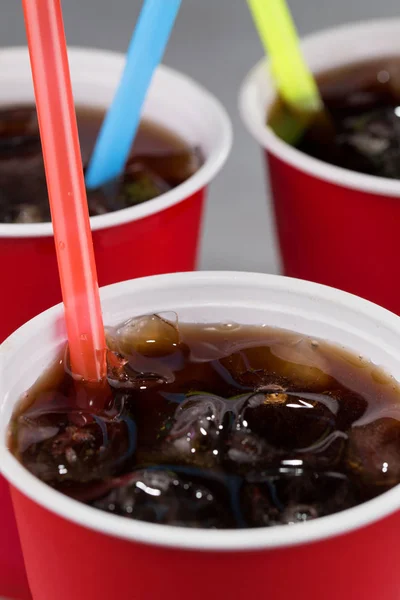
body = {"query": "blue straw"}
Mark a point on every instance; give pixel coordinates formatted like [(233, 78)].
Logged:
[(119, 128)]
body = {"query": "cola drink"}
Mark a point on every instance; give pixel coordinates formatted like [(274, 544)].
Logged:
[(160, 160), (215, 426), (362, 103)]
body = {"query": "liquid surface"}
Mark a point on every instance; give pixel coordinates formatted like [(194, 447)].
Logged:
[(159, 161), (216, 426), (363, 101)]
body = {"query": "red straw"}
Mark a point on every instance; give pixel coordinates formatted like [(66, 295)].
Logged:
[(66, 187)]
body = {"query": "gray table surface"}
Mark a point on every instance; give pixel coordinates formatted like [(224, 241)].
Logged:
[(214, 41)]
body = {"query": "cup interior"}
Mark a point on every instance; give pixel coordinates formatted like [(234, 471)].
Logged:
[(302, 307)]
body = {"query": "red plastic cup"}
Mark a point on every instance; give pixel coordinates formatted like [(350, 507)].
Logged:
[(334, 226), (74, 551), (159, 236)]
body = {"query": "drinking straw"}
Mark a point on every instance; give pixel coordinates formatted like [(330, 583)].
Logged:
[(294, 80), (279, 37), (66, 187), (145, 52)]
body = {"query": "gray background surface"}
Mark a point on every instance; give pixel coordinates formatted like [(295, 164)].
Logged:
[(214, 41)]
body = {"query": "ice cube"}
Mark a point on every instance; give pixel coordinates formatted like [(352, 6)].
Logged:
[(98, 204), (213, 341), (75, 446), (197, 432), (172, 167), (245, 450), (290, 496), (124, 377), (148, 335), (141, 184), (301, 364), (371, 142), (369, 145), (352, 407), (296, 365), (242, 373), (165, 497), (291, 421), (325, 453), (27, 213), (145, 352), (374, 451)]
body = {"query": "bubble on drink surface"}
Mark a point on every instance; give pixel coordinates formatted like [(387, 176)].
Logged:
[(287, 496), (75, 446), (165, 497), (374, 451)]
